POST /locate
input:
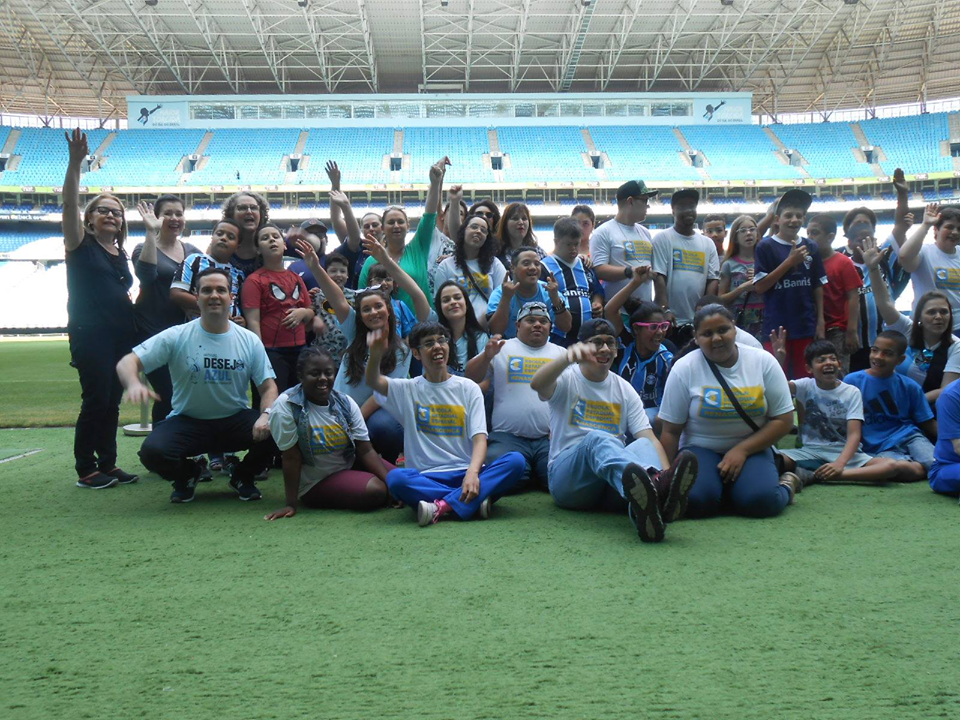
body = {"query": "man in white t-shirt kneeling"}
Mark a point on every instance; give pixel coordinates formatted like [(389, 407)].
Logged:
[(521, 422), (591, 410), (445, 442)]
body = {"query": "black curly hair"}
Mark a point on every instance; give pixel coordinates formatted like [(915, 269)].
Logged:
[(488, 251)]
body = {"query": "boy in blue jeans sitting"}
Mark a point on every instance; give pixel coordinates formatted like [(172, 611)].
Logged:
[(898, 421)]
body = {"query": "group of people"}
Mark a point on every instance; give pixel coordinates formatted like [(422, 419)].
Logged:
[(648, 374)]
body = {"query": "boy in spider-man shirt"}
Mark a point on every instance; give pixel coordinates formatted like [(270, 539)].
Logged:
[(276, 305)]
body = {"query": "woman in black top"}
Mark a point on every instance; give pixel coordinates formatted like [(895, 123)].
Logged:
[(156, 261), (100, 320)]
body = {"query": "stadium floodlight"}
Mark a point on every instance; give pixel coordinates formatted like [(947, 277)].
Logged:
[(302, 3), (150, 3), (444, 3), (726, 3)]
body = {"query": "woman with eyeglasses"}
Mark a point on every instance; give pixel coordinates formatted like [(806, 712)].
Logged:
[(474, 265), (645, 363), (250, 212), (413, 258), (736, 276), (933, 353), (100, 320), (514, 231), (729, 404), (488, 210)]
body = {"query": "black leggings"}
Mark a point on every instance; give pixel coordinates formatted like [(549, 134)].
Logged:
[(284, 362), (95, 353)]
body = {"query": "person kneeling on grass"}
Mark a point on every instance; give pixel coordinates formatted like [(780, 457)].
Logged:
[(945, 473), (446, 433), (591, 410), (211, 362), (328, 461), (898, 420), (831, 423)]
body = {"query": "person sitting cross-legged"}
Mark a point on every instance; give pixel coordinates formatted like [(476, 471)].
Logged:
[(212, 362), (591, 410), (446, 433), (521, 422)]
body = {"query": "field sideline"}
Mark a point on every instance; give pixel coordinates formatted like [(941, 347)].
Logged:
[(118, 604)]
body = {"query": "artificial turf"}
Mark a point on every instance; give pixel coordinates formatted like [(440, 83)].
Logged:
[(118, 604)]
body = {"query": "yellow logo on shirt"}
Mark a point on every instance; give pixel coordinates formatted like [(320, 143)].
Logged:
[(690, 260), (441, 419), (715, 404), (638, 251), (595, 415), (521, 369), (483, 282), (947, 278), (326, 439)]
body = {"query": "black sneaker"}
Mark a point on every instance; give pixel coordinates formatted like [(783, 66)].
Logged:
[(680, 476), (246, 489), (644, 508), (124, 478), (183, 490), (205, 469), (97, 481)]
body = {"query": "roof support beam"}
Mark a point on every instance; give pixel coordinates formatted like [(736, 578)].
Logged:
[(469, 43), (212, 38), (678, 21), (518, 39), (368, 41), (98, 38), (147, 22), (578, 35), (772, 44), (618, 41), (266, 41), (316, 39)]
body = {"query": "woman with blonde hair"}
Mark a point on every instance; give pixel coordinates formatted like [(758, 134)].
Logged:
[(100, 320), (736, 276)]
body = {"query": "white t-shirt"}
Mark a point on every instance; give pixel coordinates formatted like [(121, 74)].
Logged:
[(487, 282), (825, 414), (328, 439), (579, 406), (439, 420), (745, 338), (694, 398), (938, 271), (688, 262), (916, 365), (623, 245), (517, 409), (361, 391)]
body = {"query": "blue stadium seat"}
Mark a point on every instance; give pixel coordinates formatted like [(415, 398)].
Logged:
[(646, 152), (358, 151), (43, 156), (144, 158), (256, 154), (464, 146), (738, 152), (911, 143), (544, 154), (827, 148)]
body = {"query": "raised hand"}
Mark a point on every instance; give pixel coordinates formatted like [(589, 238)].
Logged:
[(778, 339), (77, 140), (494, 346), (372, 247), (333, 172), (581, 351), (151, 222), (439, 169), (377, 341), (509, 288), (455, 195), (552, 285), (339, 199), (872, 257), (641, 273), (909, 219), (899, 181), (931, 214)]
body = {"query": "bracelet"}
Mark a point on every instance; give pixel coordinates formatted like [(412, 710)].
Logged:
[(628, 272), (559, 309)]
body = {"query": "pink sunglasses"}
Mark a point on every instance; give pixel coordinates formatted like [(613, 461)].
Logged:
[(662, 326)]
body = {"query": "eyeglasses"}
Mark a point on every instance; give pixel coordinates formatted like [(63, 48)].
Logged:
[(433, 342), (102, 210), (483, 213), (248, 208), (600, 342), (654, 327)]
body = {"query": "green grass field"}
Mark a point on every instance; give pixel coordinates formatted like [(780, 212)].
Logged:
[(118, 604)]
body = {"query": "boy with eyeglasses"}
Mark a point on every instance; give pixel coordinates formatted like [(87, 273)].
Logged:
[(446, 439), (591, 411)]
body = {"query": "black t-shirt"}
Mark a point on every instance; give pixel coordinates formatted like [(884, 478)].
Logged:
[(153, 310), (247, 266), (98, 284)]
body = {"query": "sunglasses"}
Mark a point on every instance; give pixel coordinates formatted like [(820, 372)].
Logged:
[(654, 327)]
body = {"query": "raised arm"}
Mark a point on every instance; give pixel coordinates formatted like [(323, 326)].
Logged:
[(910, 250), (437, 171), (72, 222), (406, 283), (331, 291), (900, 224), (766, 222), (611, 310), (872, 257), (452, 220), (376, 344), (544, 381), (341, 202), (497, 322), (479, 364), (336, 217), (152, 224)]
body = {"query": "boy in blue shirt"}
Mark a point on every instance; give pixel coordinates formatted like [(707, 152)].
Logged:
[(790, 276), (945, 474), (575, 283), (898, 421), (526, 286)]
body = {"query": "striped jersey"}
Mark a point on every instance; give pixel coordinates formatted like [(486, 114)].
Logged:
[(193, 265), (577, 285)]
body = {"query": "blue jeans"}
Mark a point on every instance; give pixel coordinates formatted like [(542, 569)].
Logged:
[(945, 478), (535, 453), (755, 493), (581, 475), (386, 435), (915, 448), (496, 478)]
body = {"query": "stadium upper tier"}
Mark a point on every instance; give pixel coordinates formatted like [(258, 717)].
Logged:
[(481, 156)]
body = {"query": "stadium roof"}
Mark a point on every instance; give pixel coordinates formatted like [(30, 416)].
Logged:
[(82, 57)]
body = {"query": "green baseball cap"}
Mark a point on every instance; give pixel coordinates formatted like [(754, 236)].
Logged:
[(635, 188)]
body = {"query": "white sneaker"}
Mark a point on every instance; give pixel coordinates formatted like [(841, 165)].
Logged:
[(426, 513), (486, 507)]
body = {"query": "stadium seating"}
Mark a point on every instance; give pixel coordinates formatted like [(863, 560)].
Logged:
[(10, 241), (43, 156), (358, 151), (738, 152), (256, 154), (145, 157), (464, 146), (911, 143), (642, 152), (827, 148), (529, 162)]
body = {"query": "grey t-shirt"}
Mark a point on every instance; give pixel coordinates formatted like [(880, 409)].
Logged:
[(688, 262)]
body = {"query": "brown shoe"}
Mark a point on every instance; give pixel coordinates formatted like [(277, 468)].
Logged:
[(792, 483)]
